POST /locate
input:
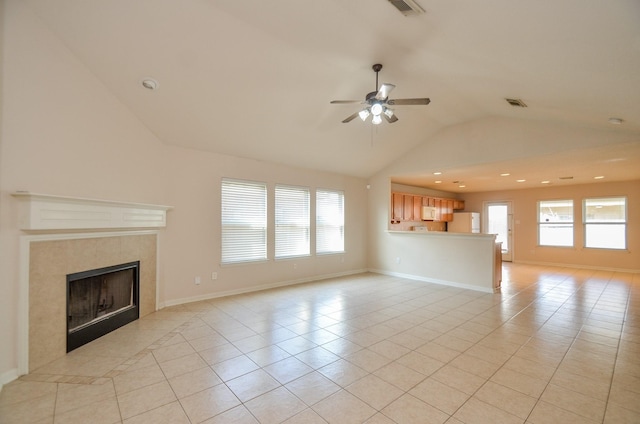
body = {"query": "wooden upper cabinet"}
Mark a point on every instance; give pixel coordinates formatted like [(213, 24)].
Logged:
[(408, 207), (397, 206), (417, 208), (458, 205)]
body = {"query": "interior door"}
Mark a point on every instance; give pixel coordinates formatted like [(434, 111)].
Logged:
[(499, 220)]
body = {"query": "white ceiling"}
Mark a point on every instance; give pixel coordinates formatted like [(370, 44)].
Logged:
[(254, 78)]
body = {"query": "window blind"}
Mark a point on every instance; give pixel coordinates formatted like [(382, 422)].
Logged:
[(244, 221), (329, 221), (292, 221)]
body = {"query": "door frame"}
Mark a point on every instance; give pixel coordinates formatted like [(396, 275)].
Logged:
[(506, 257)]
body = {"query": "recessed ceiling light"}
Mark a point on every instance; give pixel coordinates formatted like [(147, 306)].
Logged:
[(150, 83), (520, 181), (437, 173), (506, 174), (545, 182), (615, 121), (462, 186), (438, 182), (599, 177)]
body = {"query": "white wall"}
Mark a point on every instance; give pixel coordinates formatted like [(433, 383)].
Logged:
[(195, 186), (65, 134)]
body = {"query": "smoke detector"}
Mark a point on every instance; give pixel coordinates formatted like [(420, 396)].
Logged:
[(407, 7)]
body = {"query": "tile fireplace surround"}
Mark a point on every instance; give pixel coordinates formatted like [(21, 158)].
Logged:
[(49, 263)]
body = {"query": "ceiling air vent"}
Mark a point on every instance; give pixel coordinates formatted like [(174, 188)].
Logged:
[(407, 7), (516, 102)]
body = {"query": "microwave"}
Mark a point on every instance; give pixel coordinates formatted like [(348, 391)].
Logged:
[(428, 213)]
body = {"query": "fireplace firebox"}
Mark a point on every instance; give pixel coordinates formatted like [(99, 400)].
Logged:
[(100, 301)]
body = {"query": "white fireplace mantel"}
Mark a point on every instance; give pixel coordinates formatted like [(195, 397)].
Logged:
[(48, 212)]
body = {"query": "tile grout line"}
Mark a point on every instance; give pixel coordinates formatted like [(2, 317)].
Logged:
[(567, 352)]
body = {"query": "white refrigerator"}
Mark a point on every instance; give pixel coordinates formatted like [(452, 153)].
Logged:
[(464, 222)]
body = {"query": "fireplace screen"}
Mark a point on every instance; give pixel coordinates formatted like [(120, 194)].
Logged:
[(99, 301)]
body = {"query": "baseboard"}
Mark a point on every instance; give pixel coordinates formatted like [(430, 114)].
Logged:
[(433, 280), (575, 266), (8, 377), (252, 289)]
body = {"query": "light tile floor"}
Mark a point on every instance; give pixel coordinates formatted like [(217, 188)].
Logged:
[(557, 345)]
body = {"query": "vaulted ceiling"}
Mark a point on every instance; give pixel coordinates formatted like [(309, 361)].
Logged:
[(254, 78)]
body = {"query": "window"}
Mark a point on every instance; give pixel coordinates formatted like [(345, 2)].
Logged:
[(244, 221), (555, 223), (329, 221), (605, 222), (292, 221)]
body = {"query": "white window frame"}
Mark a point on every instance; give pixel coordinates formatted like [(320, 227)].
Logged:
[(243, 221), (602, 224), (292, 221), (330, 221), (549, 220)]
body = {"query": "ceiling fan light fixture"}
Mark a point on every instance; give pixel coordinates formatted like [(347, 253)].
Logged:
[(388, 112), (376, 109), (376, 119), (364, 114)]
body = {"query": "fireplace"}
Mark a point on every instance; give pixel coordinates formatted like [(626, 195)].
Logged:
[(62, 236), (100, 301)]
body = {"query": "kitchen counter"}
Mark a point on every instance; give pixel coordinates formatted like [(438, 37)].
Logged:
[(465, 260), (443, 233)]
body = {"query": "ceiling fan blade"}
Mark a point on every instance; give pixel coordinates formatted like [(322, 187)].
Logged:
[(408, 102), (344, 102), (391, 120), (350, 118), (384, 91)]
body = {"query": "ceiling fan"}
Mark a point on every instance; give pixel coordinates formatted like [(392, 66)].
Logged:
[(377, 103)]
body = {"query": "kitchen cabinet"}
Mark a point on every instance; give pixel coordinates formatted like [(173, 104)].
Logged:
[(408, 207), (397, 207), (407, 212), (458, 205), (417, 208)]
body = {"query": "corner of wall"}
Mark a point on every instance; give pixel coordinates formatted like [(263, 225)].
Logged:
[(8, 376)]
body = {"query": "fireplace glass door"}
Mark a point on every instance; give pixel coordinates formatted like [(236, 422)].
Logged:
[(99, 301)]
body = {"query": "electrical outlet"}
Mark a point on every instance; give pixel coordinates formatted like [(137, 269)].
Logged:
[(295, 266), (398, 260), (198, 280), (214, 275)]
